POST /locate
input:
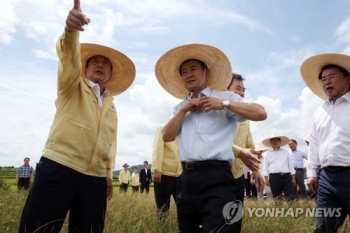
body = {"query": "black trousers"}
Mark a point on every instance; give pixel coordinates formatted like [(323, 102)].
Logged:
[(58, 189), (144, 186), (281, 182), (203, 194), (240, 196), (23, 183), (249, 188), (135, 189), (163, 192), (123, 187)]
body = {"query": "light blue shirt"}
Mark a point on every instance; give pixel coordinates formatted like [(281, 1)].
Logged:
[(298, 158), (208, 136)]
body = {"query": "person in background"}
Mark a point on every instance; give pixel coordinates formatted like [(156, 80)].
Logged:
[(135, 180), (243, 139), (124, 178), (24, 175), (166, 168), (205, 124), (74, 174), (298, 161), (278, 167), (328, 77), (145, 177)]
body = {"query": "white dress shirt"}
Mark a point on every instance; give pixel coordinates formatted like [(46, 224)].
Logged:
[(298, 157), (277, 161), (330, 136)]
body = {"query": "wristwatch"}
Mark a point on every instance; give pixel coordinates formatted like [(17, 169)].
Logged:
[(225, 103)]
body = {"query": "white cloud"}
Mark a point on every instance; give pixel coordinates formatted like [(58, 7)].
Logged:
[(7, 23)]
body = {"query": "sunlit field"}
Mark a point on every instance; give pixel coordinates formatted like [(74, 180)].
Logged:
[(137, 213)]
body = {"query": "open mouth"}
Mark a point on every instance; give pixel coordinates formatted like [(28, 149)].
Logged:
[(329, 88), (98, 72)]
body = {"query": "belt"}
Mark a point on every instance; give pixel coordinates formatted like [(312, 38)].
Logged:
[(280, 173), (336, 169), (299, 169), (204, 163)]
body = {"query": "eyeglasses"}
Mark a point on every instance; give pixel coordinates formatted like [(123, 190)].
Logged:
[(331, 77)]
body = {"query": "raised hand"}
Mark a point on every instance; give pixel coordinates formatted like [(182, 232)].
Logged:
[(76, 19)]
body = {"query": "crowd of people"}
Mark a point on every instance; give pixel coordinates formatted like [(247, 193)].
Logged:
[(204, 156)]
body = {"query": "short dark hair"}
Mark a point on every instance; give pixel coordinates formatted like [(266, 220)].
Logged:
[(203, 65), (88, 60), (294, 141), (26, 158), (329, 66), (235, 77), (145, 162)]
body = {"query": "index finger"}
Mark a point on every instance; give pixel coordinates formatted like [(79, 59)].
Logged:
[(76, 5)]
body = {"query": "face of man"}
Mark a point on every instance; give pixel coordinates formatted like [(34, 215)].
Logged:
[(334, 83), (292, 145), (237, 87), (275, 142), (135, 170), (145, 165), (26, 161), (193, 75), (99, 69)]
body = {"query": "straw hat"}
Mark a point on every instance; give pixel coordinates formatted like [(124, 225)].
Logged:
[(167, 68), (123, 69), (306, 138), (284, 140), (311, 68), (125, 165)]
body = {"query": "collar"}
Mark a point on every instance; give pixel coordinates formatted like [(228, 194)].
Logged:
[(205, 92)]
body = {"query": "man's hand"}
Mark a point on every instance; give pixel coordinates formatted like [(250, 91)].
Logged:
[(207, 104), (109, 188), (191, 105), (267, 181), (312, 183), (258, 181), (76, 19), (293, 180), (157, 177), (251, 161)]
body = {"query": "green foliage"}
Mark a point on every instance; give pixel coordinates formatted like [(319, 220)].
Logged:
[(4, 184)]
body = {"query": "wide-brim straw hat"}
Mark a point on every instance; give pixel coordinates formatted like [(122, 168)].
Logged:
[(284, 140), (306, 138), (123, 69), (167, 68), (125, 165), (311, 68)]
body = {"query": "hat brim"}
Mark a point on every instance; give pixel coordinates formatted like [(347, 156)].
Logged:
[(284, 140), (167, 68), (123, 69), (311, 68)]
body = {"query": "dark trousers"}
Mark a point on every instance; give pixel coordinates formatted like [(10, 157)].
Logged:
[(58, 189), (144, 186), (281, 183), (240, 196), (163, 192), (23, 183), (333, 194), (299, 178), (206, 195), (250, 189), (123, 187), (135, 189)]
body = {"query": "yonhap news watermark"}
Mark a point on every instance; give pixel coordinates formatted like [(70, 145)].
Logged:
[(274, 212), (233, 212)]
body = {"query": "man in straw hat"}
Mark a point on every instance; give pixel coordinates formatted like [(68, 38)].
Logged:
[(205, 123), (328, 76), (124, 178), (75, 171), (278, 167)]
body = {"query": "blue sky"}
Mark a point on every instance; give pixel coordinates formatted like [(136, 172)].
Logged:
[(266, 41)]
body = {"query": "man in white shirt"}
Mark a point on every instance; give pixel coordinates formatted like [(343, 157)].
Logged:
[(328, 76), (298, 157), (278, 168)]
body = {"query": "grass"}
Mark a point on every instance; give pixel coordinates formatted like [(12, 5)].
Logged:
[(137, 213)]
